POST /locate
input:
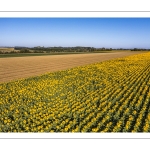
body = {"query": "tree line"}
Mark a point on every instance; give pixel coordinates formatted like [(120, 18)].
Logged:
[(60, 49)]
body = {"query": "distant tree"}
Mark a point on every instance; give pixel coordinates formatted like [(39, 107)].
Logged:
[(25, 51)]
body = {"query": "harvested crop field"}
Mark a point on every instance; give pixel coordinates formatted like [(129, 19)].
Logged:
[(23, 67)]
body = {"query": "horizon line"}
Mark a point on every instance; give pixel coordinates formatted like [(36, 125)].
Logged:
[(68, 47)]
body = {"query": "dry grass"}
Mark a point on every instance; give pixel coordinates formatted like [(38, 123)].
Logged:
[(5, 49), (23, 67)]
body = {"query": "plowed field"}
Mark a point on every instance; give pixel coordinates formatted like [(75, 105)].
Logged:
[(23, 67)]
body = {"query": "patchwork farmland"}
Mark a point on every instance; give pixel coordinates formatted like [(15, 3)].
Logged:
[(84, 94)]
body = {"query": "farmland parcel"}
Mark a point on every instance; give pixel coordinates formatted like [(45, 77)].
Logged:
[(111, 96), (22, 67)]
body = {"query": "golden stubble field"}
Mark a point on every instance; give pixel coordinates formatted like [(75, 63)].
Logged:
[(22, 67), (5, 49)]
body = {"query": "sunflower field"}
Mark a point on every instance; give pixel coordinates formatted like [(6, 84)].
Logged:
[(111, 96)]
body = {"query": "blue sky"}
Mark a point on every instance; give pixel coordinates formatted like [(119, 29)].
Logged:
[(94, 32)]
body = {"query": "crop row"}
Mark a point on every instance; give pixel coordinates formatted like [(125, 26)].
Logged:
[(111, 96)]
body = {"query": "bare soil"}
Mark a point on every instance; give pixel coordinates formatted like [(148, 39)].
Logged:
[(22, 67)]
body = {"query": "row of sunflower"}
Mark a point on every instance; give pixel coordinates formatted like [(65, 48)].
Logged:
[(111, 96)]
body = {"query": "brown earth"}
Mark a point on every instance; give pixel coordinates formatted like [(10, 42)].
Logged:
[(22, 67)]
